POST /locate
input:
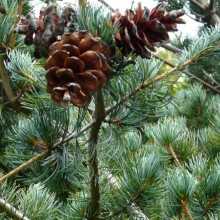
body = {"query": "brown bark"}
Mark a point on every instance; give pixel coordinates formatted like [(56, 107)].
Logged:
[(99, 115), (23, 166), (12, 99), (208, 11)]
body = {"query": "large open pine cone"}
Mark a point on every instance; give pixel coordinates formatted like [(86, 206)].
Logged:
[(77, 66), (144, 29), (78, 62)]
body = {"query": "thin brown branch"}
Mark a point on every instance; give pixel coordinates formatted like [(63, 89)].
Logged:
[(176, 69), (41, 155), (213, 6), (190, 75), (23, 166), (14, 34), (156, 79), (12, 99), (172, 152), (75, 134), (186, 208), (11, 211), (133, 208), (211, 78)]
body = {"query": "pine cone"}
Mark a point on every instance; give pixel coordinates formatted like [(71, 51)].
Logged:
[(2, 10), (46, 29), (144, 29), (77, 66)]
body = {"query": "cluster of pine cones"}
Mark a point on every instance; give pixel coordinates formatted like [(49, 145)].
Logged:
[(77, 62)]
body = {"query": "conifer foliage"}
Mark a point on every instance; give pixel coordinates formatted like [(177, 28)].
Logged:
[(89, 126)]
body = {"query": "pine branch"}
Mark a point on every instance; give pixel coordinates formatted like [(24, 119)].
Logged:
[(13, 101), (172, 152), (23, 166), (82, 3), (158, 78), (99, 116), (39, 156), (75, 134), (186, 208), (5, 81), (171, 48), (190, 75), (134, 209), (4, 167), (175, 69), (211, 78), (11, 211), (14, 34)]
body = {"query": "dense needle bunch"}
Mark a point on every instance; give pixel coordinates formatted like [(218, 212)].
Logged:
[(145, 29)]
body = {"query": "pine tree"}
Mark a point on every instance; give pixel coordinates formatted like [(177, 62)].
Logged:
[(90, 126)]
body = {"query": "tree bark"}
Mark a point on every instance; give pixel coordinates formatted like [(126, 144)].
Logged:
[(11, 211), (209, 11), (99, 115)]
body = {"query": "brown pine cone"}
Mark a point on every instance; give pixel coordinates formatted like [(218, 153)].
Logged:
[(46, 29), (77, 66), (2, 10), (144, 29)]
